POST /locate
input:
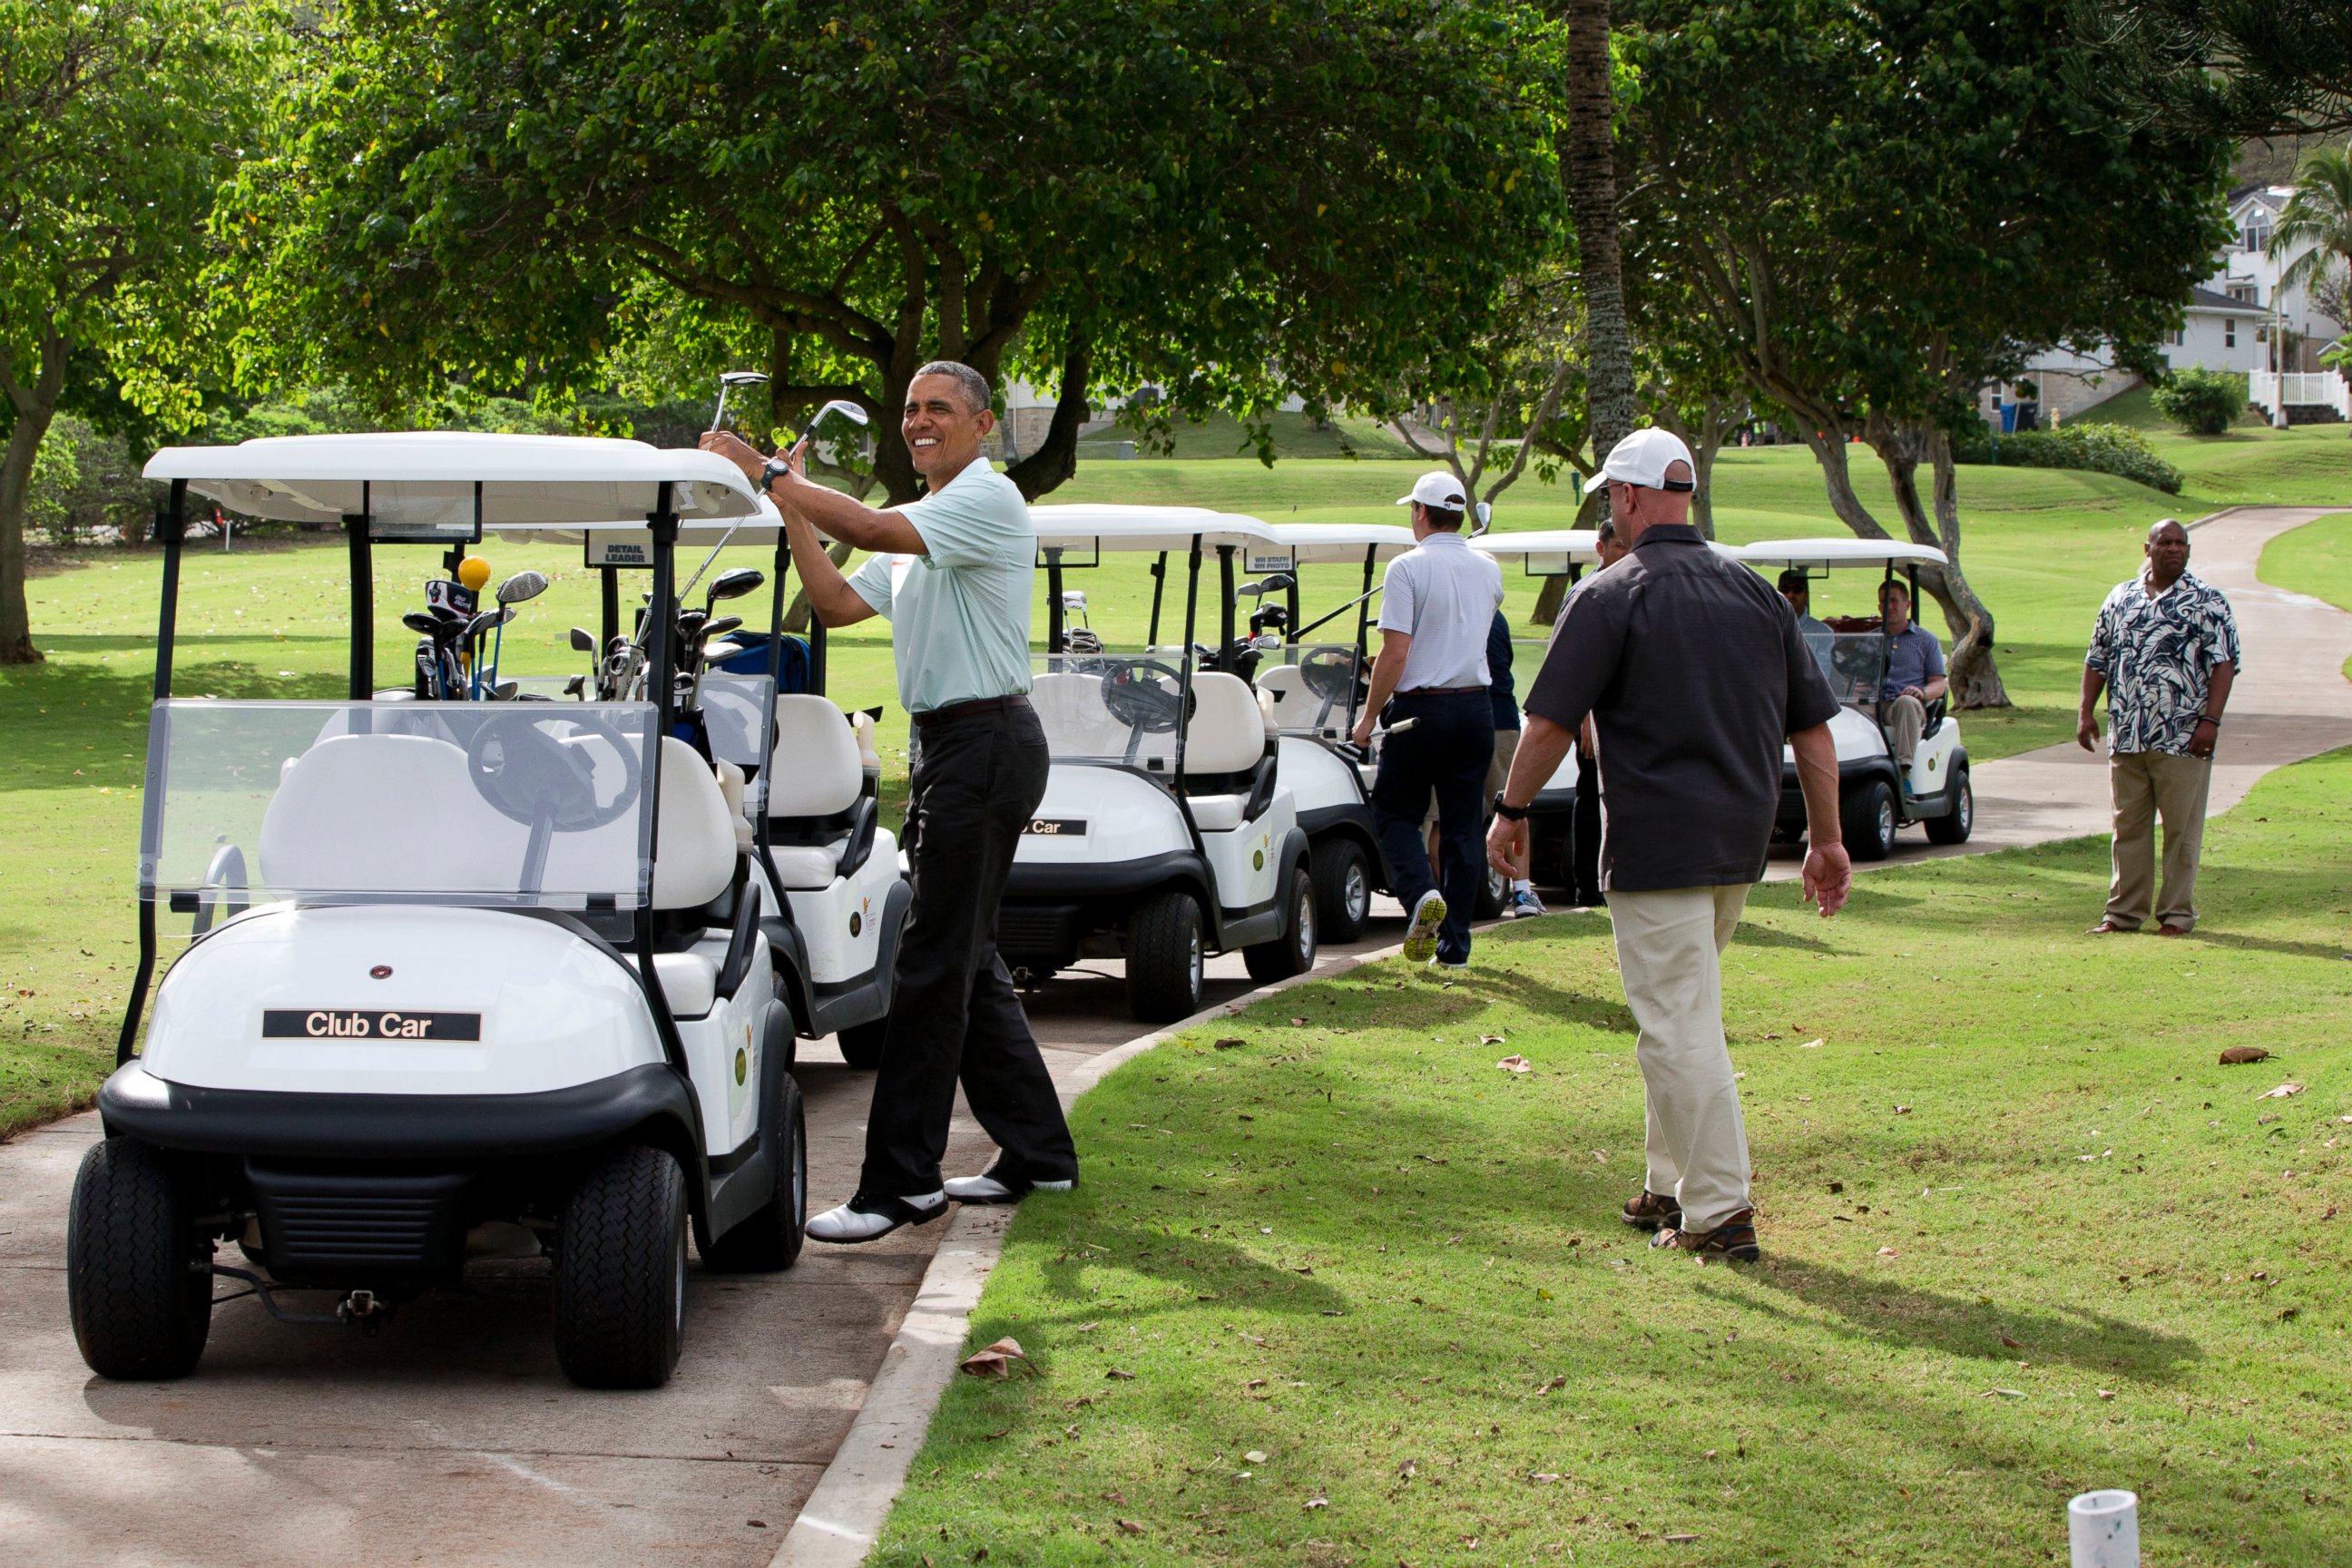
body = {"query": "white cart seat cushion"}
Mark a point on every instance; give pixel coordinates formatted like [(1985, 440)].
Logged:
[(1227, 734), (817, 770), (393, 814), (693, 849), (1286, 692), (804, 867), (861, 726)]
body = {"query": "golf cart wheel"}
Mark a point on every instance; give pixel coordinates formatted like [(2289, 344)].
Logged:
[(620, 1271), (1292, 953), (1343, 889), (1492, 889), (1956, 828), (139, 1284), (770, 1239), (861, 1043), (1866, 816), (1165, 957)]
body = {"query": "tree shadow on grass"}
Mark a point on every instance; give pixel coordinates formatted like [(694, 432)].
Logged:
[(1887, 1312), (1219, 1275)]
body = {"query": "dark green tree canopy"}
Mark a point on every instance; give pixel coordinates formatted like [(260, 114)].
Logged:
[(1225, 198), (2245, 69)]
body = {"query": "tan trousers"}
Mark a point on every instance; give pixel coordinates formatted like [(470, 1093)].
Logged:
[(2146, 785), (1906, 721), (1669, 949)]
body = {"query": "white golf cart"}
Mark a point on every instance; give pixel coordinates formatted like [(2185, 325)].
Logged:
[(802, 778), (1567, 553), (1875, 799), (465, 977), (1164, 834)]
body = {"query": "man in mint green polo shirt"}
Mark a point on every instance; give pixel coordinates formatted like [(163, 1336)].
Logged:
[(952, 572)]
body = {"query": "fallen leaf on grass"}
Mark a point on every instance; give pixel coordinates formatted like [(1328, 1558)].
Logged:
[(1128, 1526), (1316, 1502), (1405, 1472), (2107, 1393), (1888, 1252), (1542, 1294), (2013, 1344), (1299, 1023), (1560, 1381), (1544, 1477), (996, 1360), (1490, 1039), (1255, 1457), (1679, 1537), (1086, 1328), (2005, 1393), (1122, 1376), (2284, 1091), (1902, 1110), (2239, 1056), (1810, 1045), (1230, 1043), (1514, 1064)]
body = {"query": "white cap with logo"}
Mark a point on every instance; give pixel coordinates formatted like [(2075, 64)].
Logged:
[(1436, 488), (1642, 457)]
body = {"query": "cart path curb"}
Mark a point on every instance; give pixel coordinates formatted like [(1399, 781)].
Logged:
[(838, 1524)]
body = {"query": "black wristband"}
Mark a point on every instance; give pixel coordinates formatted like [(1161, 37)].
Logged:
[(1510, 813), (777, 468)]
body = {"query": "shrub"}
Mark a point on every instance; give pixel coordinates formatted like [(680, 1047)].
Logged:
[(2100, 448), (2201, 402)]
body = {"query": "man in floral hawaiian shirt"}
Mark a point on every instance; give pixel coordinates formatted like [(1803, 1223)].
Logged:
[(2165, 649)]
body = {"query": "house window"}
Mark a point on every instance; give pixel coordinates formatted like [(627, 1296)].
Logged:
[(2243, 293), (2258, 233), (2229, 334), (2180, 337)]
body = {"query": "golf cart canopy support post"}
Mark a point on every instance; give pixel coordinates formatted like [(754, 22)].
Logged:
[(1159, 582), (362, 573), (1225, 590), (171, 528), (608, 607), (1054, 598), (1184, 691)]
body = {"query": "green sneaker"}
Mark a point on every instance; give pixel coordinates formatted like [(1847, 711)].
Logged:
[(1428, 914)]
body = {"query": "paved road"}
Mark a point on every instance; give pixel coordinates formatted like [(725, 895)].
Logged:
[(450, 1436)]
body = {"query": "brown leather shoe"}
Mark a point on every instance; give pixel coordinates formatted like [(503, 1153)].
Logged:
[(2109, 928), (1734, 1239), (1648, 1211)]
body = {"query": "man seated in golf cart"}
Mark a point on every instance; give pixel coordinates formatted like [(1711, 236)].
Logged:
[(1798, 589), (1915, 673)]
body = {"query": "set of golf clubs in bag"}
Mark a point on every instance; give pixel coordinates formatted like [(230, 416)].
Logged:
[(449, 663)]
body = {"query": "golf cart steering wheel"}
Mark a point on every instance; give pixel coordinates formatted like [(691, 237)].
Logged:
[(1330, 673), (1132, 692), (533, 777)]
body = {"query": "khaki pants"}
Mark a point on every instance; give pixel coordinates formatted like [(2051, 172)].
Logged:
[(1906, 721), (1669, 949), (2146, 785)]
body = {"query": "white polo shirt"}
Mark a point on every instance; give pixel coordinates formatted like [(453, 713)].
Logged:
[(1443, 594)]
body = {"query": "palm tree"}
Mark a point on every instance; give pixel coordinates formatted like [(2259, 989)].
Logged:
[(2319, 214)]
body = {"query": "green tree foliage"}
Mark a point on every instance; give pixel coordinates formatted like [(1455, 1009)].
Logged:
[(118, 121), (2201, 402), (2319, 215), (1870, 209), (2241, 68), (1230, 200)]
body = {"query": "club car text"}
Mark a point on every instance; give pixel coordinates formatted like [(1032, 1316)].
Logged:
[(357, 1023)]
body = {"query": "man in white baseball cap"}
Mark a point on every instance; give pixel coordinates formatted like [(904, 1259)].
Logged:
[(1437, 602), (1646, 459)]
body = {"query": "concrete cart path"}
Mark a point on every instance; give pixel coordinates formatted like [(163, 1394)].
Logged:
[(2290, 702), (451, 1435)]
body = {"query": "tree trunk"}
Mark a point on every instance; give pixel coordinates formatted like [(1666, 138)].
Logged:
[(1974, 676), (36, 407), (1056, 457), (1705, 439), (1592, 201)]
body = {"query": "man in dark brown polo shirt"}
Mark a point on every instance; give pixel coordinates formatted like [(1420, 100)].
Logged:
[(1694, 672)]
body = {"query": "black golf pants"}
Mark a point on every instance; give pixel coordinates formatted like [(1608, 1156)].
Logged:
[(954, 1015), (1445, 754)]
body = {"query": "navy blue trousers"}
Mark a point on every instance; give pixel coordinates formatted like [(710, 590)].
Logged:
[(1445, 754)]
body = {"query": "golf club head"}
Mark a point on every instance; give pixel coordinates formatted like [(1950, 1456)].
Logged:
[(582, 640), (727, 382), (733, 584), (1485, 512), (422, 621), (1073, 599), (722, 626), (839, 437), (504, 691), (1249, 591), (522, 585), (485, 620), (576, 687)]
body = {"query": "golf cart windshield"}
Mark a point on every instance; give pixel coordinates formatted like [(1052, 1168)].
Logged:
[(1110, 707), (739, 716), (1314, 688), (522, 804), (1855, 663)]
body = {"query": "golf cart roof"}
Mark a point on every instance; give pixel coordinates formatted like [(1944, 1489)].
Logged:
[(1825, 553), (1580, 545), (1312, 542), (527, 483), (1148, 528)]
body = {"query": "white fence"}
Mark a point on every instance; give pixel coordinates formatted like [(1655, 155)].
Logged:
[(2273, 393)]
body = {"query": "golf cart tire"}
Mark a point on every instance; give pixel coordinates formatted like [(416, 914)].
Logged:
[(1494, 890), (1165, 949), (620, 1271), (1292, 953), (861, 1043), (1343, 889), (770, 1239), (1955, 825), (138, 1283), (1866, 820)]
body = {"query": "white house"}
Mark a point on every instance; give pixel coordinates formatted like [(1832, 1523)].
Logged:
[(2247, 273)]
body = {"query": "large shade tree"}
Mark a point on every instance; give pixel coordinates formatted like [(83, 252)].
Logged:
[(2234, 68), (119, 119), (1870, 209), (1228, 200)]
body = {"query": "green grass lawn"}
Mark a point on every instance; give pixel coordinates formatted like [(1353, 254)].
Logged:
[(2042, 545), (1346, 1293)]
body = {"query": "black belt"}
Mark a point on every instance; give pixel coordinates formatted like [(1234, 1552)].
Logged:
[(979, 705), (1441, 690)]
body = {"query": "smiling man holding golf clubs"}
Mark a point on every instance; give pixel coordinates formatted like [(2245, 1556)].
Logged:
[(953, 574)]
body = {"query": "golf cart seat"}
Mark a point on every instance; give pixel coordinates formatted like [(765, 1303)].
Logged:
[(1069, 707), (1224, 742), (1285, 691), (820, 821), (394, 813)]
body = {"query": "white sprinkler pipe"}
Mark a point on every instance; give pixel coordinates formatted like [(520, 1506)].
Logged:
[(2102, 1530)]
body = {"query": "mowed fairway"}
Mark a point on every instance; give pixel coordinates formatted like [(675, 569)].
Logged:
[(1339, 1290), (2041, 546)]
